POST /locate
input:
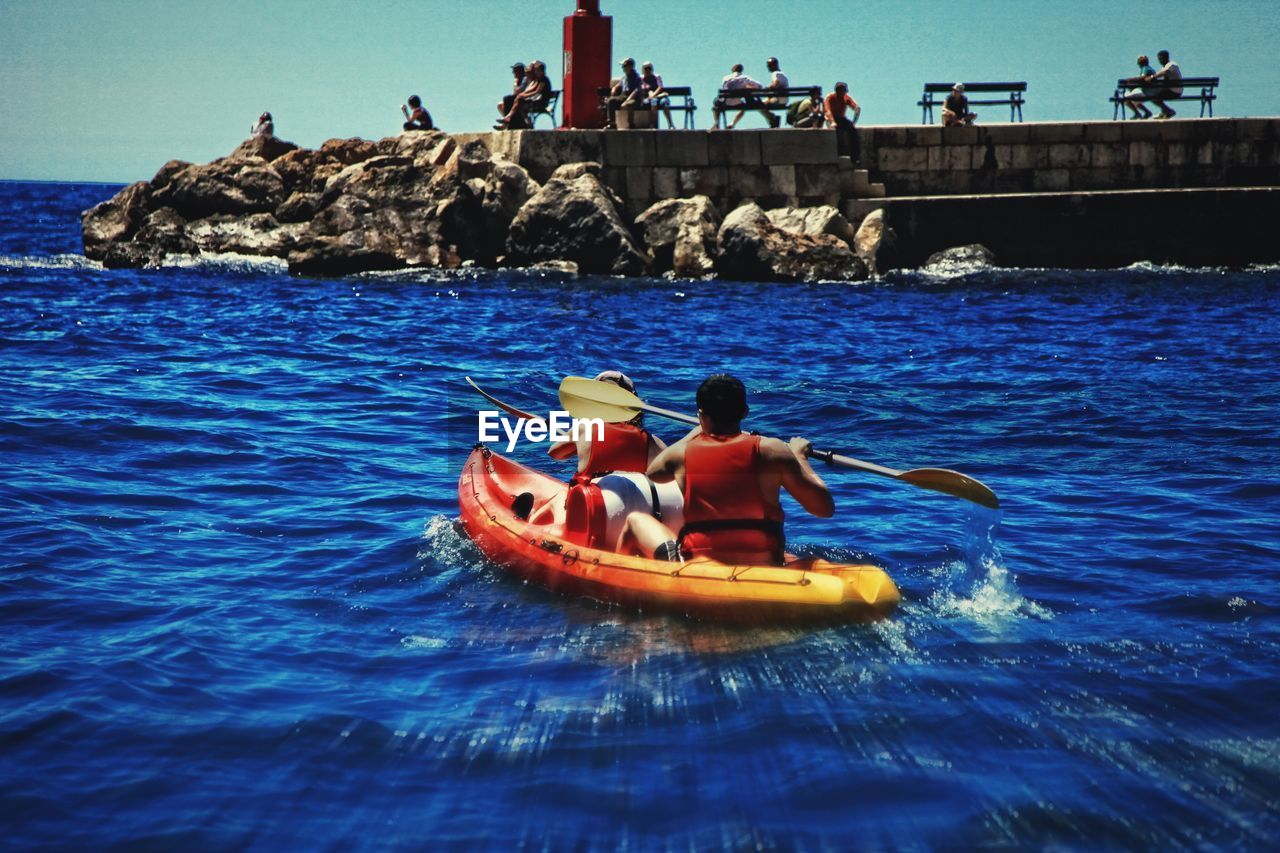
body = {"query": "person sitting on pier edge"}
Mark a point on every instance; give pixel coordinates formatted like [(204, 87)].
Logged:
[(806, 112), (625, 446), (653, 91), (532, 98), (955, 111), (837, 107), (419, 119), (734, 80), (732, 483), (1142, 90), (1170, 79), (777, 80), (517, 74), (265, 126), (628, 93)]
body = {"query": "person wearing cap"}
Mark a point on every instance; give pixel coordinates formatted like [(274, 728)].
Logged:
[(735, 79), (628, 93), (732, 483), (777, 80), (624, 446), (419, 119), (837, 106), (518, 76), (653, 91), (531, 98), (955, 111)]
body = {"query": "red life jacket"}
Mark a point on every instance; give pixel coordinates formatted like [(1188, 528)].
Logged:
[(725, 515), (625, 448)]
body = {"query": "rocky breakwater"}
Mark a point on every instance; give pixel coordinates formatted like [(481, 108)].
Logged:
[(423, 200)]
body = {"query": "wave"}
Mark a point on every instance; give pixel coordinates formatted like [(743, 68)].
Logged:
[(48, 262)]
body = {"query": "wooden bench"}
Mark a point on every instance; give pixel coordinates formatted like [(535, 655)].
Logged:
[(1015, 97), (755, 99), (1206, 96), (684, 93), (548, 110)]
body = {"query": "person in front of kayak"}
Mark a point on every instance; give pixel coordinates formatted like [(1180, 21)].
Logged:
[(625, 446), (732, 483)]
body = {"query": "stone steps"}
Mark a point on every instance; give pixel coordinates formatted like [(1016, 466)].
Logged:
[(856, 183)]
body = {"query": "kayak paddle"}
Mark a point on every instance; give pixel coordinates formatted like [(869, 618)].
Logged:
[(510, 410), (590, 398)]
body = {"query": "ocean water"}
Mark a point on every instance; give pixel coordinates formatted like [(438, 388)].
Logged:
[(238, 612)]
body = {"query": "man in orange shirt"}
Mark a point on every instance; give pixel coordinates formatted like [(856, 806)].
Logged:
[(837, 108)]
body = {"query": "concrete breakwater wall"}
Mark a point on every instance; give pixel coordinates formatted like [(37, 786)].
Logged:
[(1038, 194), (775, 168), (1075, 156)]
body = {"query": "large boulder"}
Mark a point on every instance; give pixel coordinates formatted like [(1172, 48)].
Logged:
[(388, 212), (681, 235), (306, 171), (115, 220), (974, 256), (823, 219), (753, 249), (256, 234), (266, 147), (433, 146), (162, 233), (575, 220), (223, 186), (507, 189), (348, 151), (876, 243)]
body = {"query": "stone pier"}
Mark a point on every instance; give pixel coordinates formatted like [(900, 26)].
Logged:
[(1040, 193)]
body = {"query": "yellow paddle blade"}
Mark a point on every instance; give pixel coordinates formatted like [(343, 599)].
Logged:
[(951, 483), (591, 398)]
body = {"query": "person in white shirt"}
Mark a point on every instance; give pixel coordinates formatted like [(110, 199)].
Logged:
[(264, 126), (1170, 78), (735, 80), (777, 80)]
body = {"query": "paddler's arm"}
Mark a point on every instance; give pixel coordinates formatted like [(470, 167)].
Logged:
[(667, 465), (798, 476)]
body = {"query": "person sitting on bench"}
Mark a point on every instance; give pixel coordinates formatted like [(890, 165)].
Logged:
[(518, 78), (1170, 78), (653, 91), (1142, 90), (777, 80), (419, 119), (955, 112), (735, 80), (628, 93), (531, 99)]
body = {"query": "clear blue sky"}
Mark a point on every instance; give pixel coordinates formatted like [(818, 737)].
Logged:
[(111, 89)]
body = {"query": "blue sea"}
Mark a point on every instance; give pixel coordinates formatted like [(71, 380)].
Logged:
[(238, 611)]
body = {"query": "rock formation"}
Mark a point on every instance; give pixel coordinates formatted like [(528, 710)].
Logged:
[(574, 218), (752, 248), (426, 200), (681, 234)]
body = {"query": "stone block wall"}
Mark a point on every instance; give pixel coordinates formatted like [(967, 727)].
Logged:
[(772, 167), (800, 167), (1073, 156)]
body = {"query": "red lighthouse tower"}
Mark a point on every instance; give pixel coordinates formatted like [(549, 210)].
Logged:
[(588, 59)]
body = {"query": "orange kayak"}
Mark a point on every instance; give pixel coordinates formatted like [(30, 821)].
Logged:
[(546, 549)]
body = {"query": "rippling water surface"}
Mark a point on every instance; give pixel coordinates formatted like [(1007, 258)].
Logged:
[(238, 611)]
